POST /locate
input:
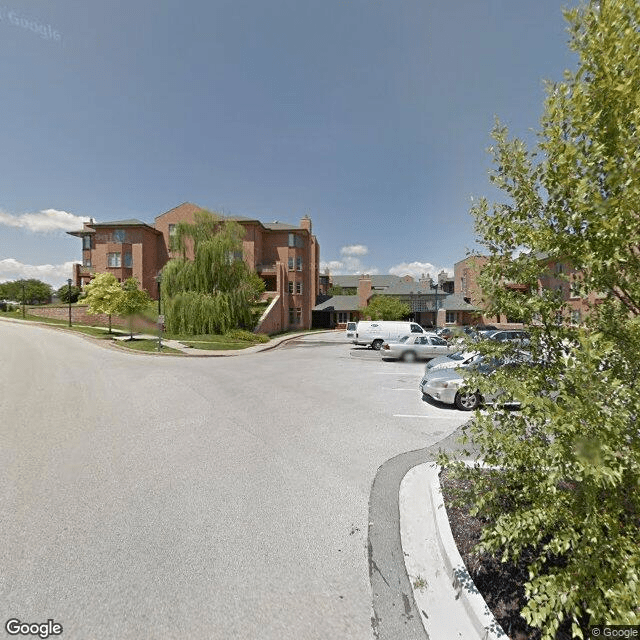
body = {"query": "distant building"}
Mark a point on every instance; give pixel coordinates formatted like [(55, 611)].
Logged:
[(430, 305), (285, 256)]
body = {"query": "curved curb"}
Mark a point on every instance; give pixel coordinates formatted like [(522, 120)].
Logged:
[(273, 344), (427, 540)]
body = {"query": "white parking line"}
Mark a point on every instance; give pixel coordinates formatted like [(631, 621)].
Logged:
[(404, 415), (394, 389)]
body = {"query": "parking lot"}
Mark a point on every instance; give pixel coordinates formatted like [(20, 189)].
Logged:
[(391, 386)]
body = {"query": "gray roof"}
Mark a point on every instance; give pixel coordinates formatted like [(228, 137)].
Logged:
[(131, 222), (376, 281), (402, 288), (339, 303), (456, 302), (280, 226)]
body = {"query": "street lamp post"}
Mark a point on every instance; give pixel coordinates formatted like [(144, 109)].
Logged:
[(24, 300), (160, 318), (436, 288), (69, 283)]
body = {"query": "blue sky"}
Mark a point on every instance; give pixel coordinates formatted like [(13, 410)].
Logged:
[(372, 116)]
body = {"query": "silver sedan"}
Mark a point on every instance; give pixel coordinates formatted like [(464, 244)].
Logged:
[(416, 347)]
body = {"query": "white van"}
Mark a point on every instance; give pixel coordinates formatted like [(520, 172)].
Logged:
[(372, 333)]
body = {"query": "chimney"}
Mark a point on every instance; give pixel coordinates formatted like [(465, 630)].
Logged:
[(364, 290), (305, 223)]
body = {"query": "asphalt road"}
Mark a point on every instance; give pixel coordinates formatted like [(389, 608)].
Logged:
[(145, 497)]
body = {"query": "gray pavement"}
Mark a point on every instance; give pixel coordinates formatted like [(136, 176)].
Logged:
[(195, 497)]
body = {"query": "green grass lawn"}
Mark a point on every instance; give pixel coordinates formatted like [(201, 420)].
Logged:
[(212, 345), (149, 346)]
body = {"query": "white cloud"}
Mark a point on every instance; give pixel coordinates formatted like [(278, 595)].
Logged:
[(53, 274), (347, 267), (44, 221), (354, 250), (416, 269)]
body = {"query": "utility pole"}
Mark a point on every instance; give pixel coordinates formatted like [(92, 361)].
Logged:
[(69, 283)]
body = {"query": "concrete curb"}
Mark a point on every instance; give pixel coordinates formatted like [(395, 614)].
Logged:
[(443, 590), (187, 352)]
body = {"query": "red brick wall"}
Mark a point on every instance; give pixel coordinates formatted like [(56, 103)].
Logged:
[(79, 315)]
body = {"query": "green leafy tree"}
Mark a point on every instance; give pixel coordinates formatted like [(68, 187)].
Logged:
[(132, 301), (215, 291), (104, 294), (566, 478), (386, 308), (64, 293), (337, 290), (31, 291)]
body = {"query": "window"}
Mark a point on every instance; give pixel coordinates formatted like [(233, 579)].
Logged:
[(290, 263), (439, 342), (299, 263), (119, 235), (576, 316), (86, 262), (451, 317), (172, 230), (113, 260), (575, 289), (343, 317), (295, 240), (86, 242), (295, 315), (128, 260), (291, 287), (298, 288), (416, 328), (235, 256)]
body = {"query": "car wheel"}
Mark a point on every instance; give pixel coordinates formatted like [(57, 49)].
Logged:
[(466, 401), (409, 356), (376, 344)]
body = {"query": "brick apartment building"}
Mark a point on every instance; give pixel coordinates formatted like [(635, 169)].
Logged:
[(285, 256), (556, 275)]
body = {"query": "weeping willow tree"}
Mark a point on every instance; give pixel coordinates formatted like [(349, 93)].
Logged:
[(215, 291)]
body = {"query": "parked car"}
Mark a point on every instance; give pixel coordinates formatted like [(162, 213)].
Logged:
[(451, 361), (416, 347), (449, 386), (445, 332), (351, 330), (510, 335), (373, 333), (483, 328)]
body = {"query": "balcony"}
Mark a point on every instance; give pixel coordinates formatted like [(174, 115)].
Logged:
[(267, 267)]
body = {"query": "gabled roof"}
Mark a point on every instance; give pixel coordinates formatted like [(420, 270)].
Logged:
[(338, 303), (191, 208), (456, 302), (131, 222), (351, 281)]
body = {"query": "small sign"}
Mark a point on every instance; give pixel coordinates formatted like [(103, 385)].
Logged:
[(160, 319)]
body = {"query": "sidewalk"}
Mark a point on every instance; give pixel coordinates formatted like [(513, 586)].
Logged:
[(212, 353), (449, 603)]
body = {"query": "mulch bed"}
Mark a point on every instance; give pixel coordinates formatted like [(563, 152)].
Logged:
[(501, 584)]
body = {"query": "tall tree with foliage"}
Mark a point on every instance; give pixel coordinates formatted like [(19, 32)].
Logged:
[(65, 293), (104, 295), (565, 484), (386, 308), (215, 291), (27, 291), (132, 301)]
